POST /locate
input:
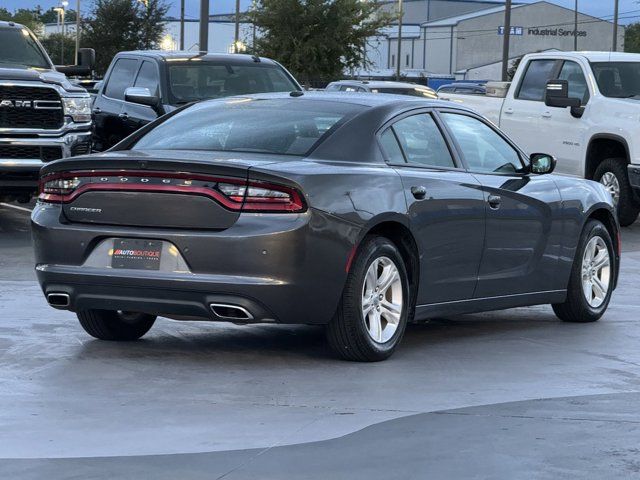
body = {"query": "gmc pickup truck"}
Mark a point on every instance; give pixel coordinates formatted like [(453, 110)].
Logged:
[(581, 107), (43, 116)]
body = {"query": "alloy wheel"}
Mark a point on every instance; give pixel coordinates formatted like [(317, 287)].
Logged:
[(596, 272), (610, 182), (382, 299)]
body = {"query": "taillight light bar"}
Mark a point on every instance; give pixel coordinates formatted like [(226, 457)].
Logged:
[(232, 193)]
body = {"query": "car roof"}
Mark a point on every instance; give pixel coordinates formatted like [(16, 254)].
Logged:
[(590, 56), (175, 56), (380, 84), (364, 99)]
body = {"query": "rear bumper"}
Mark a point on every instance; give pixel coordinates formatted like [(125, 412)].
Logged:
[(634, 179), (280, 268)]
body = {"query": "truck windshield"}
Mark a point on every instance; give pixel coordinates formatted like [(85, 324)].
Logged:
[(19, 48), (191, 81), (618, 79)]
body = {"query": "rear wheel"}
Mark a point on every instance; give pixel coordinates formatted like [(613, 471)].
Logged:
[(591, 281), (373, 310), (115, 325), (612, 173)]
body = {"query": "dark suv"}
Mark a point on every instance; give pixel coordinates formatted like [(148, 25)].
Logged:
[(140, 86)]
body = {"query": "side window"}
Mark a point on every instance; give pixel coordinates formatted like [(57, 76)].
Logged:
[(534, 83), (148, 77), (348, 88), (572, 72), (482, 148), (422, 141), (391, 147), (121, 77)]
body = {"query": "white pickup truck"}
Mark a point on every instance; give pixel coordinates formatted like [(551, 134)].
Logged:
[(581, 107)]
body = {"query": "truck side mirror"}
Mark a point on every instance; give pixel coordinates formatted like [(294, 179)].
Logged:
[(142, 96), (557, 95), (87, 58), (542, 163)]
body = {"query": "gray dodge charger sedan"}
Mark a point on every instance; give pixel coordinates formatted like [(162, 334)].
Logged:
[(361, 212)]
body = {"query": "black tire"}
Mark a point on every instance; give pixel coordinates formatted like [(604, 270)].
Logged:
[(347, 332), (628, 207), (114, 325), (576, 308)]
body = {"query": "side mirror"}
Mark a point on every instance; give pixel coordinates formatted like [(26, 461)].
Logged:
[(541, 163), (557, 95), (87, 58), (142, 96)]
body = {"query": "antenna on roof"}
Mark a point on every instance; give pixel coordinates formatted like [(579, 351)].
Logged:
[(255, 58)]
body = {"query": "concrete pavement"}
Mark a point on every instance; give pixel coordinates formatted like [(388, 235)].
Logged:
[(518, 394)]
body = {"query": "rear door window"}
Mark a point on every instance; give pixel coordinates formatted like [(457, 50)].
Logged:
[(422, 142), (534, 82), (121, 78)]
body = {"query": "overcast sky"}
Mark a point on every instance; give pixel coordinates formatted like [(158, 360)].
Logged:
[(629, 9)]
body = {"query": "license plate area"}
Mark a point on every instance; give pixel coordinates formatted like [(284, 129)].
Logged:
[(136, 254)]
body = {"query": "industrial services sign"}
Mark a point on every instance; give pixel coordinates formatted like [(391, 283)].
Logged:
[(543, 32)]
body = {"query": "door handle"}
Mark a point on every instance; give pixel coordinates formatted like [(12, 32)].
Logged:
[(508, 111), (494, 201), (97, 110), (124, 116), (546, 114), (419, 192)]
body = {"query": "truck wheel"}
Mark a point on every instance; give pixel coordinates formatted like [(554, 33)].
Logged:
[(612, 173), (591, 281), (115, 325), (375, 304)]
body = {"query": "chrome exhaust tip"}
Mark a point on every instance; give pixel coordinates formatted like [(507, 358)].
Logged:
[(58, 299), (224, 311)]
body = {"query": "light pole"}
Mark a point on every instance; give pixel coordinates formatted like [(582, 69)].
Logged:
[(236, 36), (575, 27), (204, 26), (505, 40), (77, 31), (181, 24), (615, 26), (400, 16)]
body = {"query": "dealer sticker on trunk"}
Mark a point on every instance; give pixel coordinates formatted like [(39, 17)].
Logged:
[(136, 254)]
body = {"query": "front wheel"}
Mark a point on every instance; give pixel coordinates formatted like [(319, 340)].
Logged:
[(115, 325), (373, 311), (592, 274), (612, 173)]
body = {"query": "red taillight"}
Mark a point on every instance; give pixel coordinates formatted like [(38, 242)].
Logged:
[(232, 193)]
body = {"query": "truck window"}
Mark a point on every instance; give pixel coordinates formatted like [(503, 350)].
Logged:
[(19, 48), (618, 79), (572, 72), (535, 79), (121, 77), (148, 77)]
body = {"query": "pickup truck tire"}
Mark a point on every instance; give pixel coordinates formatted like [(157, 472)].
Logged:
[(628, 207), (594, 260), (115, 325)]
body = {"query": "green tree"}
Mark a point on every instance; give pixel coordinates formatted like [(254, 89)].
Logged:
[(116, 25), (317, 39), (51, 16), (632, 38), (511, 71), (55, 43)]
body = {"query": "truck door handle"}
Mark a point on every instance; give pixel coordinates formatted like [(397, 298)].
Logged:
[(124, 116), (494, 201), (97, 110), (419, 192), (508, 111), (546, 114)]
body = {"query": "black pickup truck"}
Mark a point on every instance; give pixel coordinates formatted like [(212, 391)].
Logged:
[(43, 116), (142, 85)]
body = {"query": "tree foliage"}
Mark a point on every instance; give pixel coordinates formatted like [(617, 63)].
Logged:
[(632, 38), (55, 43), (117, 25), (317, 39), (511, 71)]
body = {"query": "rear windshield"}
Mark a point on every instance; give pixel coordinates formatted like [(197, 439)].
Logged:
[(19, 48), (281, 126), (413, 92), (191, 81)]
